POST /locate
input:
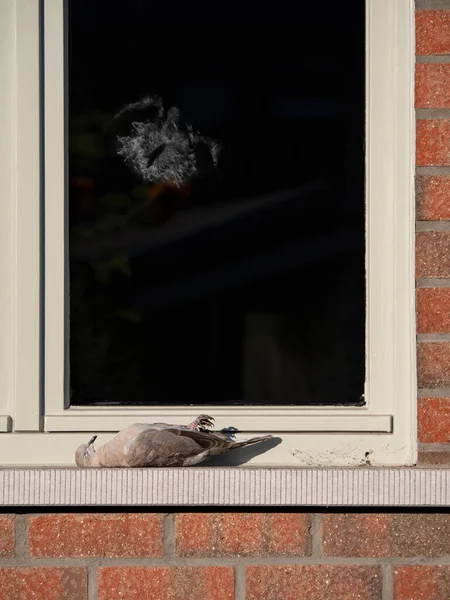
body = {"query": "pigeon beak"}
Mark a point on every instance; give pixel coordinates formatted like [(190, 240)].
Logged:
[(91, 441)]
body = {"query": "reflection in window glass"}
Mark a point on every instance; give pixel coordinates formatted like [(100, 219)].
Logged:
[(216, 205)]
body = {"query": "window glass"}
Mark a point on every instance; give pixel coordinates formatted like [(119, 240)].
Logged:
[(216, 202)]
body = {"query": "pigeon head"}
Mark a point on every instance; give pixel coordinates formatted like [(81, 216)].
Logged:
[(85, 453)]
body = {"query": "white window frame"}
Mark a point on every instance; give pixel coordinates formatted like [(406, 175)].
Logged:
[(38, 428)]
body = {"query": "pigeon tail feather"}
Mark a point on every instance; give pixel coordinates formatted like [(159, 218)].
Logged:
[(250, 441)]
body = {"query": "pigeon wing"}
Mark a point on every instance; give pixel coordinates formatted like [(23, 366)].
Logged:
[(171, 447)]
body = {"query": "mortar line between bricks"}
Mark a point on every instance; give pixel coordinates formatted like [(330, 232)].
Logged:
[(316, 535), (422, 170), (432, 113), (21, 535), (430, 282), (432, 225), (431, 4), (433, 446), (239, 582), (169, 535), (433, 337), (92, 583), (442, 392), (387, 591), (222, 562), (433, 58)]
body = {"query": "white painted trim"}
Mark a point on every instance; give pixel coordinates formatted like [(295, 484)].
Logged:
[(5, 423), (308, 449), (27, 208), (225, 487), (20, 211), (291, 421), (7, 194), (391, 370), (390, 386), (56, 246)]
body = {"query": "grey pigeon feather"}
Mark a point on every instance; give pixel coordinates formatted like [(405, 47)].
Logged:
[(161, 445)]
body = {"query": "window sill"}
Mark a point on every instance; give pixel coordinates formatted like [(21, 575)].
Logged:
[(212, 486)]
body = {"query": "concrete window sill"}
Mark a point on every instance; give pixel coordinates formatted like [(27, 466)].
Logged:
[(221, 486)]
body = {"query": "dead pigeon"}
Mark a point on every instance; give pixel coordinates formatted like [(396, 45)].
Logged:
[(161, 445)]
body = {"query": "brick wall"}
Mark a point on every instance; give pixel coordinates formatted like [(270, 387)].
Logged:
[(221, 556), (283, 556), (432, 100)]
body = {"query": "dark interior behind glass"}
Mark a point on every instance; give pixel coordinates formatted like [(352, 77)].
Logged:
[(237, 277)]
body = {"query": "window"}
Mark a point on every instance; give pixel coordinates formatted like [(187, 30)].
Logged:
[(216, 204), (57, 379)]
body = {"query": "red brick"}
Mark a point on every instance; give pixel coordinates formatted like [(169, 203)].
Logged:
[(46, 583), (433, 254), (432, 85), (364, 535), (248, 534), (434, 420), (165, 583), (433, 364), (6, 536), (433, 310), (195, 534), (386, 535), (434, 458), (103, 535), (433, 142), (313, 582), (432, 32), (433, 197), (422, 582)]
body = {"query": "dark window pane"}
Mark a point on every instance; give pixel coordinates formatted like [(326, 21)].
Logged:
[(216, 202)]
